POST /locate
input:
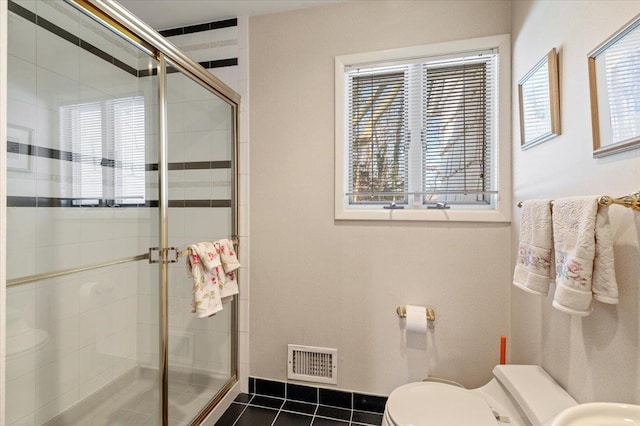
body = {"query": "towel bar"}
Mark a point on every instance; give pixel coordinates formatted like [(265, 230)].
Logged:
[(631, 201), (187, 252)]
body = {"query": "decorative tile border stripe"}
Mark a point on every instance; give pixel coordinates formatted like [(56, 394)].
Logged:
[(18, 201), (219, 63), (66, 35), (200, 203), (325, 397), (215, 25), (77, 41), (56, 154)]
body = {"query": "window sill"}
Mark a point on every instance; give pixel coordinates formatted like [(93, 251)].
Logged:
[(431, 215)]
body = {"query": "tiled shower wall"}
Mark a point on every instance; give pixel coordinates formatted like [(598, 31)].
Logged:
[(96, 326), (221, 47), (68, 336)]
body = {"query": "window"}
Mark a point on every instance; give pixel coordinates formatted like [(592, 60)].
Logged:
[(421, 129), (108, 146)]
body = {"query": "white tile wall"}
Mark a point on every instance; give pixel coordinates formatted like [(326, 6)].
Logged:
[(64, 17), (20, 399), (200, 185), (224, 52), (89, 319), (57, 54), (96, 73), (99, 325), (55, 90), (22, 114), (21, 239), (21, 76), (24, 38)]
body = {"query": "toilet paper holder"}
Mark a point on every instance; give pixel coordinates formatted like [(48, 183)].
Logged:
[(402, 313)]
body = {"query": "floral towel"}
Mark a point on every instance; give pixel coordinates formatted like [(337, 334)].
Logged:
[(227, 275), (201, 267), (533, 270), (584, 255), (212, 267)]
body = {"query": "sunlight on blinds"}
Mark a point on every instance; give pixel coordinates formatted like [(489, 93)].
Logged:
[(457, 122), (128, 128), (82, 126), (107, 143), (377, 135)]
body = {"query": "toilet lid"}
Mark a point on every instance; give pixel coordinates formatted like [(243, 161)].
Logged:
[(437, 404)]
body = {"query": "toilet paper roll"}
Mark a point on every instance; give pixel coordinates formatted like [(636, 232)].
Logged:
[(416, 319)]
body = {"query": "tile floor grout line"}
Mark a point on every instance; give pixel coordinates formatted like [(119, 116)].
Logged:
[(275, 418), (313, 418), (240, 415)]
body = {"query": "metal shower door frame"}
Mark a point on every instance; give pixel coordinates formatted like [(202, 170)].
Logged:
[(115, 17)]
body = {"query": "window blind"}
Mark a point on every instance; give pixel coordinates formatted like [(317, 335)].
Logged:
[(108, 144), (129, 155), (378, 136), (622, 69), (458, 109), (82, 127)]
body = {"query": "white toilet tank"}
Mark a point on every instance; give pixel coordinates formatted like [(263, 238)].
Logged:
[(534, 392)]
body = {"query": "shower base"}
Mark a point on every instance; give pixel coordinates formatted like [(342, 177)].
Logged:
[(133, 399)]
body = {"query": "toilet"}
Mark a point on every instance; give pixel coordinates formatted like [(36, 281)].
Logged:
[(518, 395)]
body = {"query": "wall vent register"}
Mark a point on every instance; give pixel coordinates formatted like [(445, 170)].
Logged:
[(312, 364)]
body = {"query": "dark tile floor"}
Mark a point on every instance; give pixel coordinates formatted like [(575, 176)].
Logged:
[(259, 410)]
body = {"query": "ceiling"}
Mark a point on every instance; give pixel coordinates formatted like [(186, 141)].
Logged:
[(163, 14)]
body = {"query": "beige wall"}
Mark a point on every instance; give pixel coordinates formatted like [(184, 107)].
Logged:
[(596, 357), (315, 281)]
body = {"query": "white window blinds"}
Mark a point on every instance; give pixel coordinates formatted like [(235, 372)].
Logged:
[(423, 132), (457, 124), (82, 131), (107, 150), (129, 156), (378, 114)]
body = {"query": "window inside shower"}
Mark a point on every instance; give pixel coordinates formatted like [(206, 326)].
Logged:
[(108, 138)]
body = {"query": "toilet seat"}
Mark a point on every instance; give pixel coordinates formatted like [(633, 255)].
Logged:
[(437, 404)]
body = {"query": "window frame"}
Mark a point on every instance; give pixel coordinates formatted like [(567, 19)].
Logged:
[(500, 211)]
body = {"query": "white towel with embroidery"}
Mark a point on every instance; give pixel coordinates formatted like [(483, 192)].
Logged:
[(533, 270), (584, 255), (227, 276), (604, 286), (205, 296)]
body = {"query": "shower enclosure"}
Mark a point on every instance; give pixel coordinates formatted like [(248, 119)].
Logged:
[(121, 152)]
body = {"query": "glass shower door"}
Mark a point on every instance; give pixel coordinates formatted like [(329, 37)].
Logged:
[(82, 300), (201, 351)]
